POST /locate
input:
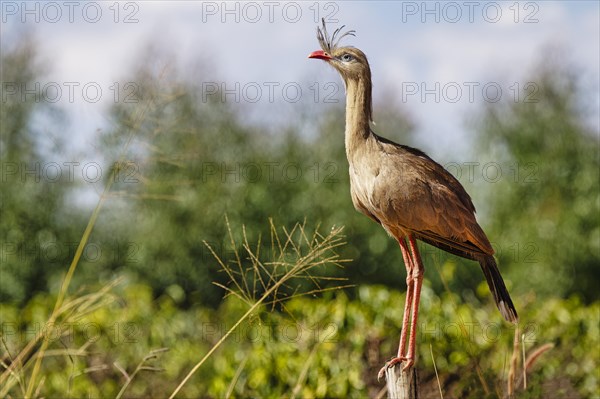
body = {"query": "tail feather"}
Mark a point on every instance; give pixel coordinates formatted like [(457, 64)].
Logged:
[(498, 289)]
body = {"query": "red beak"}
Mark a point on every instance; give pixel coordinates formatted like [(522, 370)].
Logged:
[(320, 54)]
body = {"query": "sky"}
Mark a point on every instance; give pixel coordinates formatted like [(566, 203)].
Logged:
[(440, 62)]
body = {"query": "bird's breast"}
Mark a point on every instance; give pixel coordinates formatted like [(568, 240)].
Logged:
[(363, 178), (378, 190)]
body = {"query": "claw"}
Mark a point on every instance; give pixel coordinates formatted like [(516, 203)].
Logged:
[(394, 361), (408, 365)]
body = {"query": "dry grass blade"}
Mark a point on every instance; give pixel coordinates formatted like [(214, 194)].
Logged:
[(235, 378), (140, 367), (122, 371), (254, 257), (464, 330), (238, 261), (381, 392), (513, 365), (311, 292), (16, 373), (523, 359), (529, 363), (36, 394), (80, 306), (138, 118), (71, 310), (536, 355), (304, 371), (66, 352), (296, 255), (307, 365), (87, 370), (295, 252), (437, 377), (238, 291)]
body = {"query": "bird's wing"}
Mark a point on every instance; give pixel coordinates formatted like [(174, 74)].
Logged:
[(449, 224), (429, 202)]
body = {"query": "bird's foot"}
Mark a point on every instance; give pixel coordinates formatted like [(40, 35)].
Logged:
[(394, 361)]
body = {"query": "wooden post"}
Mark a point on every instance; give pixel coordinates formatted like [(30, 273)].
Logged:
[(401, 384)]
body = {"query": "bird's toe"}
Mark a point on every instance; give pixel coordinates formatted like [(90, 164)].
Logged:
[(391, 363)]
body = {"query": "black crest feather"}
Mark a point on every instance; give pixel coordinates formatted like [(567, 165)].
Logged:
[(328, 44)]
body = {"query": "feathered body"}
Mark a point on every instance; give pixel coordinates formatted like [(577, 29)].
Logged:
[(401, 187)]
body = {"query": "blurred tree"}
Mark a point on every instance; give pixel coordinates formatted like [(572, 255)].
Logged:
[(198, 160), (33, 186), (191, 158), (546, 216)]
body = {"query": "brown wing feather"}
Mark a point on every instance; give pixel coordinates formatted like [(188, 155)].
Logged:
[(431, 203)]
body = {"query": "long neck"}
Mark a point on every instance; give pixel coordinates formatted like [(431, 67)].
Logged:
[(358, 113)]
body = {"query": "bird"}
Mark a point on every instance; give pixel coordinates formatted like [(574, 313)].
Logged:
[(405, 191)]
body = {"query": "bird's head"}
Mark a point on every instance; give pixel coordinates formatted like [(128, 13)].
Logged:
[(350, 62)]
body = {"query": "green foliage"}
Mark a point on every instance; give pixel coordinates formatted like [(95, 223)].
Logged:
[(547, 216), (327, 347), (33, 241), (190, 162), (196, 161)]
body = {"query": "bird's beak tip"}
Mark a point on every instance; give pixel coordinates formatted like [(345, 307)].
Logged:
[(320, 54)]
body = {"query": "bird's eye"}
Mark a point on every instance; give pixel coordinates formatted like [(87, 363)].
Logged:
[(347, 57)]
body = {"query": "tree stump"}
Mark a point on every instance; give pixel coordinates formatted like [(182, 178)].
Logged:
[(401, 384)]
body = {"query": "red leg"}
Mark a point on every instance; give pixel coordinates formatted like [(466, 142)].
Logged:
[(417, 280), (408, 263), (409, 297)]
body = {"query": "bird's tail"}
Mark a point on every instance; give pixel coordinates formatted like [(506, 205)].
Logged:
[(498, 289)]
